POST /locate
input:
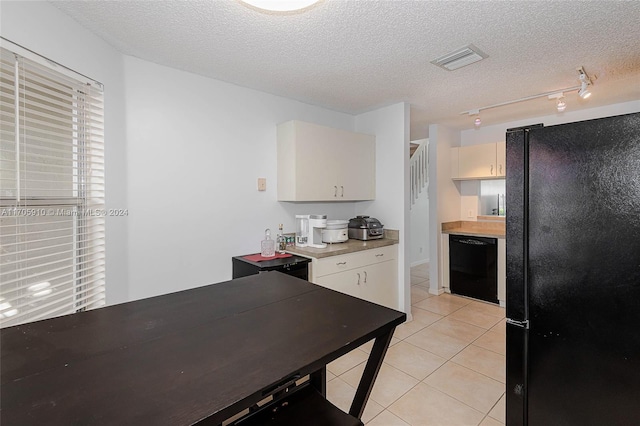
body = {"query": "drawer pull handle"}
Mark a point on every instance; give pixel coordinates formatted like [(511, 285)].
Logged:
[(358, 278), (379, 255), (335, 191), (341, 263)]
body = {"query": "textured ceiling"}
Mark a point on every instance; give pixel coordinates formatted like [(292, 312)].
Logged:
[(355, 56)]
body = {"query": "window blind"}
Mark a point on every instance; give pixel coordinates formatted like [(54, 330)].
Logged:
[(52, 217)]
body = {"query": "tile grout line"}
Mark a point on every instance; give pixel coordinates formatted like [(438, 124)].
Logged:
[(447, 360)]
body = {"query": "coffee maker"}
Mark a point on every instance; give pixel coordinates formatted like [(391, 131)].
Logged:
[(316, 223), (302, 230)]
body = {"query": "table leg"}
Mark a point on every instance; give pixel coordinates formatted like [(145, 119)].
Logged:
[(318, 380), (370, 373)]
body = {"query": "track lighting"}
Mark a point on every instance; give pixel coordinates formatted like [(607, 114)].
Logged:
[(477, 122), (584, 92), (561, 105), (585, 81)]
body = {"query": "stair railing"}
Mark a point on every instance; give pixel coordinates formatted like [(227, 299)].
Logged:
[(419, 171)]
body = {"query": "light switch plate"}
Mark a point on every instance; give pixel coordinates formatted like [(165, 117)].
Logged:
[(262, 184)]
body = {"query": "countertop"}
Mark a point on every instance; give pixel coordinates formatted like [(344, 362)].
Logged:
[(337, 249), (478, 229)]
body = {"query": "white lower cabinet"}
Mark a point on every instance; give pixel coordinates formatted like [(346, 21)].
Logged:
[(370, 275)]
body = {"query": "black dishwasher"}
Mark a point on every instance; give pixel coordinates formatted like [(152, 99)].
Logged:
[(297, 266), (473, 267)]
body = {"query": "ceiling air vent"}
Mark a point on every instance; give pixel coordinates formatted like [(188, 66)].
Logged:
[(460, 58)]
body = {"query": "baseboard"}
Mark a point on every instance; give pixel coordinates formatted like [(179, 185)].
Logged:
[(437, 292)]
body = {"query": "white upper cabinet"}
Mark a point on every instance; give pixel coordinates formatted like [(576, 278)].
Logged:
[(501, 154), (484, 161), (318, 163)]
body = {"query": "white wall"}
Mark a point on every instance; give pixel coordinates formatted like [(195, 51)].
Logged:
[(183, 154), (444, 196), (419, 226), (196, 147), (42, 28), (391, 206)]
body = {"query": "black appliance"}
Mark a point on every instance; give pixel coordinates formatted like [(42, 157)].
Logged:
[(573, 273), (365, 228), (473, 267), (297, 266)]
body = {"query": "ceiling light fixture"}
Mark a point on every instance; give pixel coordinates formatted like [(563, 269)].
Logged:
[(582, 89), (280, 5), (585, 81), (477, 122), (561, 105)]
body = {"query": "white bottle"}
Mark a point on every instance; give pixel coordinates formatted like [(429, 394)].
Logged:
[(281, 240)]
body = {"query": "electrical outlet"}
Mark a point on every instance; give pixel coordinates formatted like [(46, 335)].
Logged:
[(262, 184)]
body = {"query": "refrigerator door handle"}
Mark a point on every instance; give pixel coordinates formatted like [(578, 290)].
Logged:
[(522, 324)]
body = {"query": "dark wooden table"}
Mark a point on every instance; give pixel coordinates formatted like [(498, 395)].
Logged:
[(200, 355)]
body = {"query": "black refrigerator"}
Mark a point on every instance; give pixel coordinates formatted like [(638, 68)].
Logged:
[(573, 273)]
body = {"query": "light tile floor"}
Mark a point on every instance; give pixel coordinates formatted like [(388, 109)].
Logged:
[(446, 367)]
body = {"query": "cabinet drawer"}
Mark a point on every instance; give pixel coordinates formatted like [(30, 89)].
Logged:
[(335, 264)]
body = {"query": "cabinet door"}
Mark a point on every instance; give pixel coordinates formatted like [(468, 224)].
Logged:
[(356, 179), (380, 284), (477, 161), (318, 163), (344, 282), (501, 158), (315, 169), (455, 155)]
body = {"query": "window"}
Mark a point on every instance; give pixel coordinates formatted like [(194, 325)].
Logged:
[(51, 190)]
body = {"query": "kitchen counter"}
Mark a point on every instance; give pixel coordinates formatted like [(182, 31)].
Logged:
[(350, 246), (478, 229)]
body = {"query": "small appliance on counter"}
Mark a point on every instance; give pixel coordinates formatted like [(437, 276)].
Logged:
[(302, 230), (365, 228), (336, 231), (317, 222)]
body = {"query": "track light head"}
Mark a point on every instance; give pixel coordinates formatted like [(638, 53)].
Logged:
[(585, 81), (560, 103), (477, 122), (584, 92)]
